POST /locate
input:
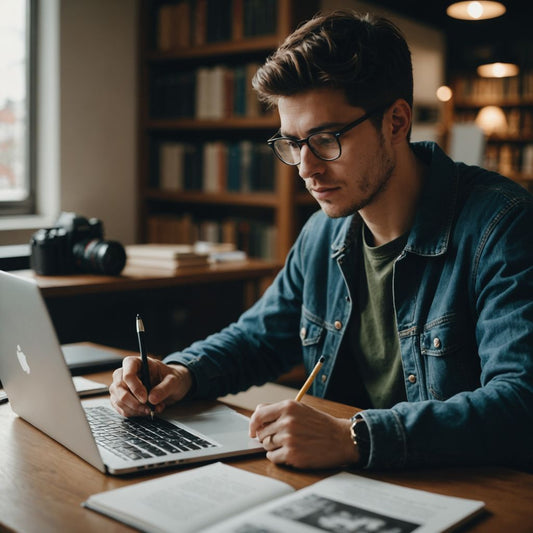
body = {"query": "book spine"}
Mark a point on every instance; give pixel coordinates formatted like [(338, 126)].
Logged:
[(216, 166), (208, 93)]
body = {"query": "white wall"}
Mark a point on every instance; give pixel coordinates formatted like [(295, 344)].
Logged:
[(98, 112)]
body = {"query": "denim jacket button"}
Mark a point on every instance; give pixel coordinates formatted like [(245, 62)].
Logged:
[(323, 378), (436, 342), (412, 378), (303, 333), (338, 324)]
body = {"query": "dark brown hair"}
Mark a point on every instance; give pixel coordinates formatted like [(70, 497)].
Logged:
[(365, 56)]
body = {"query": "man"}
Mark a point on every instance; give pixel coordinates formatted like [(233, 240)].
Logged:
[(415, 280)]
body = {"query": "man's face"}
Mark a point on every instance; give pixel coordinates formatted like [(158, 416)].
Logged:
[(358, 177)]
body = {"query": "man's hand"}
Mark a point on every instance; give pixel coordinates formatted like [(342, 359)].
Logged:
[(170, 383), (295, 434)]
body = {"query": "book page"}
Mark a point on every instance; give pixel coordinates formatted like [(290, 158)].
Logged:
[(349, 503), (187, 501)]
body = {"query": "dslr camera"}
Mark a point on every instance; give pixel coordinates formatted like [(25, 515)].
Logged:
[(75, 244)]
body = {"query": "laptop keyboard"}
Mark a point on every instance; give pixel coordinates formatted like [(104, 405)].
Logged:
[(140, 438)]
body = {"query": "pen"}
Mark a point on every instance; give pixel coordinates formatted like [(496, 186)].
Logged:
[(310, 379), (145, 371)]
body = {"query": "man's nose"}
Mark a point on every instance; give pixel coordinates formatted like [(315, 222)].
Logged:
[(310, 165)]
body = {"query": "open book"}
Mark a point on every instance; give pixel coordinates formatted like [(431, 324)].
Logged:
[(220, 498)]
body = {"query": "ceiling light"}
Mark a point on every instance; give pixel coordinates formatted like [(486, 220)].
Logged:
[(444, 93), (475, 10), (491, 119), (498, 70)]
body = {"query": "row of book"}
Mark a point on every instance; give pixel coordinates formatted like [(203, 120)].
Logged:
[(518, 121), (510, 159), (188, 23), (217, 166), (213, 93), (494, 88), (256, 238)]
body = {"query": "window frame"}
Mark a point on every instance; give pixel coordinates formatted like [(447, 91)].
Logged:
[(28, 205)]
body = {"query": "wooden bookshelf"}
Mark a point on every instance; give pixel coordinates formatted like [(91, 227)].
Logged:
[(508, 151), (254, 196)]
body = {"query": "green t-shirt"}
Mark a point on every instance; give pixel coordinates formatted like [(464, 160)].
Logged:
[(374, 335)]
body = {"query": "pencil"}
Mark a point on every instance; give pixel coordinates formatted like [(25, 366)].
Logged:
[(310, 379), (145, 371)]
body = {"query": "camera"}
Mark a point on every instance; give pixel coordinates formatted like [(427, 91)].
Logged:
[(75, 244)]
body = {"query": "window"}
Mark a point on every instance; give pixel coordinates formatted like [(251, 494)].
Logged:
[(17, 45)]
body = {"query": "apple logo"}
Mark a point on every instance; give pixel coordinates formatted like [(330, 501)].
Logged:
[(23, 360)]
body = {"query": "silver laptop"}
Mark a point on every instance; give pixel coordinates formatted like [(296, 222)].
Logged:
[(40, 390)]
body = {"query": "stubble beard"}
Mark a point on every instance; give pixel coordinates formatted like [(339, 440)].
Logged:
[(370, 188)]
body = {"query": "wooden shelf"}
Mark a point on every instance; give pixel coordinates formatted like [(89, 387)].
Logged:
[(209, 51), (230, 123), (509, 138), (276, 215), (222, 198), (139, 279), (481, 101)]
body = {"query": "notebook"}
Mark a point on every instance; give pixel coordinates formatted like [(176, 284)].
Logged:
[(39, 385), (82, 358)]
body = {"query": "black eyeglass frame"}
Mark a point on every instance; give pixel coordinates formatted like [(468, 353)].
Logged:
[(336, 135)]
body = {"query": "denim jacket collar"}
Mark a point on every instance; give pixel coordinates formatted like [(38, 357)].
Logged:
[(432, 227)]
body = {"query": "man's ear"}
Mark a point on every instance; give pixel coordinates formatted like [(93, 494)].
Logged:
[(401, 118)]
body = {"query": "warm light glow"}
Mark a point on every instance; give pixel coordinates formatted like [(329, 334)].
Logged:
[(481, 10), (491, 119), (444, 93), (475, 10), (498, 70)]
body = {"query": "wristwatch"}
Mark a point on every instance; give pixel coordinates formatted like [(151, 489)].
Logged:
[(361, 438)]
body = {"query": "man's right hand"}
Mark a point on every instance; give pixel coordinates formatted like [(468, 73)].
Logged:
[(170, 383)]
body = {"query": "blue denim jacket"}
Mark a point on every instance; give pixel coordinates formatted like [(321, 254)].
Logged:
[(463, 296)]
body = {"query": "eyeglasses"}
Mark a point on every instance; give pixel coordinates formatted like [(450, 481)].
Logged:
[(324, 145)]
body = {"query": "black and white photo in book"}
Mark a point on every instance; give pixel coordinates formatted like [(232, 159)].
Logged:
[(338, 517)]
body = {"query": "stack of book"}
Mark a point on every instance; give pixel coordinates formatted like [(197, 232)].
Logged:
[(164, 257), (170, 257)]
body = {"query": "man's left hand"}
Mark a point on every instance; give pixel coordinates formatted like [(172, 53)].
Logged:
[(295, 434)]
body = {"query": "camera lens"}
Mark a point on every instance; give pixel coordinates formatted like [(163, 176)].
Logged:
[(99, 257)]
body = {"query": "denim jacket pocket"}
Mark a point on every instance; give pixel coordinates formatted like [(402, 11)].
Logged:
[(312, 333), (446, 348)]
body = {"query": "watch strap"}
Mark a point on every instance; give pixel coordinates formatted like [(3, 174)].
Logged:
[(361, 438)]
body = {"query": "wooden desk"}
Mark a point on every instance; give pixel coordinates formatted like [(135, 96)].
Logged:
[(177, 308), (43, 484)]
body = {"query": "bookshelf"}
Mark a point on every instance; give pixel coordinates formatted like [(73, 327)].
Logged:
[(205, 171), (509, 150)]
